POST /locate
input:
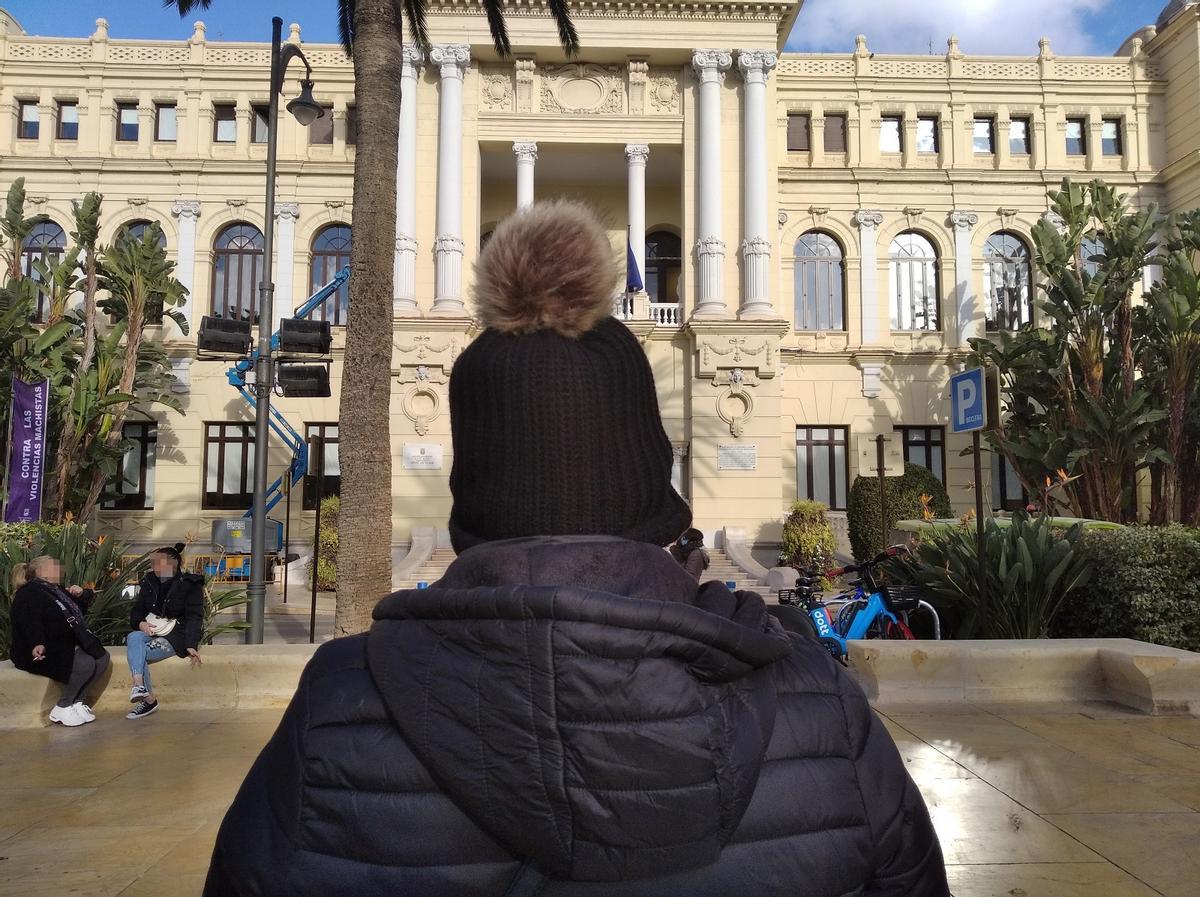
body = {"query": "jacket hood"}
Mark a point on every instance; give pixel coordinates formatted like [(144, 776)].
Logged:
[(608, 729)]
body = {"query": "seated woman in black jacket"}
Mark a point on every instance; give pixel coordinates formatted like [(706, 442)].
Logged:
[(167, 621), (49, 637)]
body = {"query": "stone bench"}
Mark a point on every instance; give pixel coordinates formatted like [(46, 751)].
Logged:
[(233, 677), (1147, 678)]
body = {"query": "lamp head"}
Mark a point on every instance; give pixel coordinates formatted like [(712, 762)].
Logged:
[(304, 108)]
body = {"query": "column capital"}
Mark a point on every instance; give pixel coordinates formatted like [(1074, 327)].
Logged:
[(636, 153), (710, 65), (710, 246), (756, 65), (963, 219), (525, 151), (186, 208), (756, 246), (411, 61), (451, 59), (287, 211), (447, 243), (405, 243), (868, 219)]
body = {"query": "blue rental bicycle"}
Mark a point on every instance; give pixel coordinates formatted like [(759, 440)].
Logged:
[(871, 611)]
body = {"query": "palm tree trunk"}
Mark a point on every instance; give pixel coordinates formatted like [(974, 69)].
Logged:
[(365, 519)]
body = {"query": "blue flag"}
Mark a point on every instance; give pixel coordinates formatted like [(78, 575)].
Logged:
[(633, 277)]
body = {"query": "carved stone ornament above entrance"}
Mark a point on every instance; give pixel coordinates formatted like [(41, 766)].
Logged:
[(758, 355), (496, 90), (423, 366), (583, 88), (735, 404)]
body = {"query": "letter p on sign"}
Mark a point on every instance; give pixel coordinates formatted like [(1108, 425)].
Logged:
[(967, 407)]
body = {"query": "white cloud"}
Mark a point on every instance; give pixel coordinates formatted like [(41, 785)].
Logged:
[(982, 26)]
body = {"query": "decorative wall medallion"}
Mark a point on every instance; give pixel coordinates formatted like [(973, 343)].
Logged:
[(783, 217), (664, 94), (422, 405), (735, 404), (496, 92), (583, 88)]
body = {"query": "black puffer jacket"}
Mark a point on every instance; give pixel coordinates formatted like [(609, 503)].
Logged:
[(181, 598), (633, 735)]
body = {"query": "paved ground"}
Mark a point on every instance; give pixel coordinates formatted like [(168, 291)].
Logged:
[(1029, 802)]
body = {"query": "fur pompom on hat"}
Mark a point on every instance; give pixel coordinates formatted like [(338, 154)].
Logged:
[(550, 267), (553, 409)]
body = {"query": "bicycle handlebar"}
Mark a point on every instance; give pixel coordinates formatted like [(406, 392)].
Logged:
[(866, 566)]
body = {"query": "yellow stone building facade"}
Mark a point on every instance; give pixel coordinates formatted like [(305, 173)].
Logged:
[(819, 234)]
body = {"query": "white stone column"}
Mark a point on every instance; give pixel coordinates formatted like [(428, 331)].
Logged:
[(404, 268), (755, 66), (868, 221), (187, 211), (526, 153), (710, 66), (452, 61), (636, 155), (286, 214), (971, 318)]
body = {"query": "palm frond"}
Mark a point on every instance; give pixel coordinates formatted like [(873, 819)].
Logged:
[(567, 35), (185, 7), (495, 16), (414, 11), (345, 14)]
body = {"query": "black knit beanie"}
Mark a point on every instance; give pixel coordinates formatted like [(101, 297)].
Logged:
[(554, 414)]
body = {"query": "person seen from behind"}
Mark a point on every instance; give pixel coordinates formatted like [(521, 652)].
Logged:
[(689, 551), (51, 639), (167, 621), (568, 712)]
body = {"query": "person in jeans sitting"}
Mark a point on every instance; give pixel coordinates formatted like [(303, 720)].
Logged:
[(49, 637), (167, 621)]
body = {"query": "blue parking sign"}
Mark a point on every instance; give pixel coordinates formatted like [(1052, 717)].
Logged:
[(968, 406)]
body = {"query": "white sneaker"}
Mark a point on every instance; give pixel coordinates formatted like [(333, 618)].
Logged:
[(68, 716), (85, 711)]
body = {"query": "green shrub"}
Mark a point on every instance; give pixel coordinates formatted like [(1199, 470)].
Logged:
[(808, 540), (100, 564), (1032, 569), (903, 503), (1146, 587), (221, 601), (328, 546)]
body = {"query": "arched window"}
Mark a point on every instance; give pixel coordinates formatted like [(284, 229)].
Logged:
[(237, 268), (137, 229), (331, 253), (664, 262), (820, 283), (914, 283), (1007, 281), (46, 242)]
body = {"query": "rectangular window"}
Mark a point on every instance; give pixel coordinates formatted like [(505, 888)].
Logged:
[(1018, 137), (1007, 492), (135, 484), (351, 126), (927, 134), (320, 132), (166, 123), (1076, 141), (225, 123), (822, 469), (28, 119), (260, 131), (1110, 137), (322, 456), (891, 134), (835, 133), (127, 122), (983, 136), (925, 446), (68, 120), (797, 132), (228, 466)]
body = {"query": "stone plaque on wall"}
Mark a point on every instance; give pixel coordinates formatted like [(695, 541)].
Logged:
[(737, 457), (422, 456)]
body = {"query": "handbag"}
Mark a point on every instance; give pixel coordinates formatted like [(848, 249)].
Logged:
[(84, 637), (160, 625)]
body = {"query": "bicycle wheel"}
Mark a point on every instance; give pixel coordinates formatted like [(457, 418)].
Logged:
[(898, 630)]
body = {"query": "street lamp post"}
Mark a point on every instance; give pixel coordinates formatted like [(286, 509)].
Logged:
[(306, 110)]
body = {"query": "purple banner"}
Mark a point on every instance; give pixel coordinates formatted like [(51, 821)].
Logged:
[(27, 451)]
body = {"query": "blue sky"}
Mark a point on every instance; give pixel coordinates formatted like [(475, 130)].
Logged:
[(910, 26)]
